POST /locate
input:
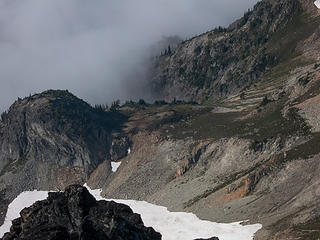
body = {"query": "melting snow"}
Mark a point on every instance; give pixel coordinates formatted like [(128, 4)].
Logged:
[(25, 199), (183, 226), (172, 225), (115, 166), (317, 3)]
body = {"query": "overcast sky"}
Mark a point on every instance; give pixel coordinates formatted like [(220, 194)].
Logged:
[(95, 49)]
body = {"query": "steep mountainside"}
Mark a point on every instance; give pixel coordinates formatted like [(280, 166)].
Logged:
[(226, 60), (253, 153)]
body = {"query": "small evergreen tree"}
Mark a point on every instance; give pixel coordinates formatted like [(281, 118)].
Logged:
[(115, 106), (142, 102), (169, 50), (3, 116)]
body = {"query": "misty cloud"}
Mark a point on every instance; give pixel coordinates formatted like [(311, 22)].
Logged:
[(96, 49)]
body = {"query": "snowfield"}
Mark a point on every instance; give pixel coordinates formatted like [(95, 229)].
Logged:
[(115, 166), (172, 225), (25, 199), (317, 3)]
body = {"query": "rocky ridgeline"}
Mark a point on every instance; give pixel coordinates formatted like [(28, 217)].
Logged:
[(226, 60), (75, 214)]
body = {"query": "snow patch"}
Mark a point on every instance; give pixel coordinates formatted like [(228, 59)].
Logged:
[(317, 3), (129, 151), (183, 226), (172, 225), (115, 166), (25, 199)]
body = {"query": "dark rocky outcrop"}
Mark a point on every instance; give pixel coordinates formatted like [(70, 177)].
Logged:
[(75, 214), (119, 147), (213, 238)]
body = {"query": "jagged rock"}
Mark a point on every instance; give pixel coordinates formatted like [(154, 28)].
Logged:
[(213, 238), (75, 214), (119, 148)]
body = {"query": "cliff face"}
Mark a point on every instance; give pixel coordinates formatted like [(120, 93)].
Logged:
[(226, 60), (51, 140)]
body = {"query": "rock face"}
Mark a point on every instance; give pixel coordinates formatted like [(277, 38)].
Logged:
[(119, 148), (55, 127), (75, 214), (51, 140)]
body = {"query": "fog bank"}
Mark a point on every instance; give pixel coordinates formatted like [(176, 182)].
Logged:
[(95, 49)]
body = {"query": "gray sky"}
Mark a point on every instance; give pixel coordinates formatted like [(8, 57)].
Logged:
[(95, 49)]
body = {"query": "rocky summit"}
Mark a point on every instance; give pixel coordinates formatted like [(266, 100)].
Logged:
[(75, 214), (51, 140)]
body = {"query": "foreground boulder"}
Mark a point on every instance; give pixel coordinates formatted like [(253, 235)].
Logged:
[(75, 214), (213, 238)]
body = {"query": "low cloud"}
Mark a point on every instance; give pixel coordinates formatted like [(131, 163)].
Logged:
[(96, 49)]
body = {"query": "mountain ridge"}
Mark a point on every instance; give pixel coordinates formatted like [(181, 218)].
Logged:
[(224, 61)]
